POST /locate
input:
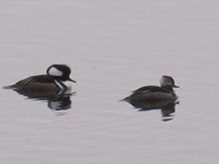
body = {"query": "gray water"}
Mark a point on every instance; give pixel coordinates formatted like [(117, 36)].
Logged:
[(112, 47)]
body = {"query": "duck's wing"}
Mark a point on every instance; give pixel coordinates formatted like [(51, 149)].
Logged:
[(37, 78), (151, 88)]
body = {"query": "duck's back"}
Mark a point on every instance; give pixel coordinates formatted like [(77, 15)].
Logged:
[(32, 81), (152, 88), (151, 93)]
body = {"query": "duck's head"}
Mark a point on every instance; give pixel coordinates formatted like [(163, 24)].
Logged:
[(167, 82), (60, 72)]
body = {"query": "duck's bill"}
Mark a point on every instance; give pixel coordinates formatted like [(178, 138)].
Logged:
[(72, 80), (175, 86)]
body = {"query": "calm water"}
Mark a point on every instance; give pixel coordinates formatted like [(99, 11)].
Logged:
[(113, 47)]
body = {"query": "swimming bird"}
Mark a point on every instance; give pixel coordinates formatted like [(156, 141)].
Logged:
[(57, 79), (154, 94)]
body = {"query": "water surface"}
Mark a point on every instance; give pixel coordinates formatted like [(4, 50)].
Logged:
[(112, 47)]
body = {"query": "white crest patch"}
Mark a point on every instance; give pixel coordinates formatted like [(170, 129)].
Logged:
[(54, 72), (165, 81), (162, 81)]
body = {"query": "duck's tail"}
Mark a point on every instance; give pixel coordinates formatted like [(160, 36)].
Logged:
[(126, 99), (9, 87)]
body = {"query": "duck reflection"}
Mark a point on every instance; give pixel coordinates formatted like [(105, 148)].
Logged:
[(57, 101), (167, 107)]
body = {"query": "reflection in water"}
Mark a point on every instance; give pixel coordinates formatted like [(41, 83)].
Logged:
[(167, 107), (57, 101)]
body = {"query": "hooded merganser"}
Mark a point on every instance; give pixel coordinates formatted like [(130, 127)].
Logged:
[(155, 94), (57, 79)]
